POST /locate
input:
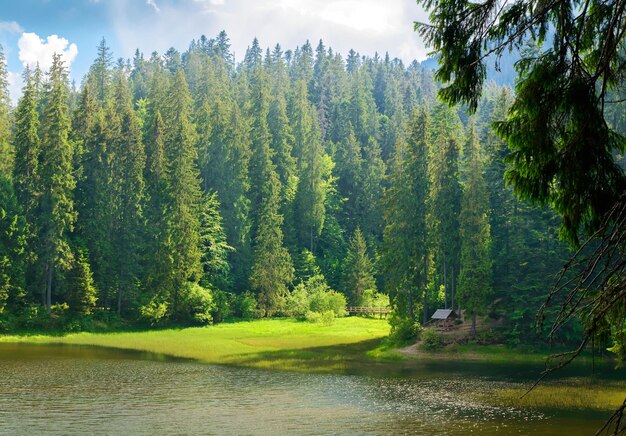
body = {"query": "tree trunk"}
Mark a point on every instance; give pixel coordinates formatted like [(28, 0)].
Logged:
[(119, 301), (50, 272), (410, 302), (425, 313), (445, 283), (452, 288), (473, 324)]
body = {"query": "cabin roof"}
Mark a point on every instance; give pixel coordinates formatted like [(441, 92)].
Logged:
[(443, 314)]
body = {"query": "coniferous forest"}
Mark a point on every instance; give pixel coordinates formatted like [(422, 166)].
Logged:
[(185, 188)]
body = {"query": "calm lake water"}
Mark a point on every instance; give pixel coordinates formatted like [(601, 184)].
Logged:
[(78, 390)]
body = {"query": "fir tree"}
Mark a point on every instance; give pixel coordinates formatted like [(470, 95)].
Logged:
[(81, 294), (405, 249), (13, 244), (57, 215), (183, 190), (358, 270), (475, 275), (6, 150)]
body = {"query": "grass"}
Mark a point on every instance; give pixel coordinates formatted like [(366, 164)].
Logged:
[(349, 345), (273, 343), (605, 396)]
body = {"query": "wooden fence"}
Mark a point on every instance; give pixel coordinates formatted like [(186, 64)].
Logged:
[(368, 310)]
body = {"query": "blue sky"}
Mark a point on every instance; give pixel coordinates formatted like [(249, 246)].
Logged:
[(31, 30)]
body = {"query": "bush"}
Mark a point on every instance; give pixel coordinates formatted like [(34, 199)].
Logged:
[(328, 301), (196, 304), (154, 311), (221, 305), (297, 302), (325, 318), (245, 306), (315, 295), (432, 339), (403, 330)]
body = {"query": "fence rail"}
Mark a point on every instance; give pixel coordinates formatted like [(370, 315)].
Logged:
[(368, 310)]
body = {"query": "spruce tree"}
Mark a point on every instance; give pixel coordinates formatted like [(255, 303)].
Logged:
[(127, 175), (80, 292), (6, 150), (358, 270), (405, 248), (13, 247), (27, 151), (475, 276), (57, 215), (272, 271)]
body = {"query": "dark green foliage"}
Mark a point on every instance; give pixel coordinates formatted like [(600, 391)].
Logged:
[(358, 270), (432, 339), (206, 190), (405, 239), (475, 276), (6, 149), (56, 214), (80, 293), (13, 245)]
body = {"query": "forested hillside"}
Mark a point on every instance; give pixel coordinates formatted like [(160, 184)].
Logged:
[(186, 188)]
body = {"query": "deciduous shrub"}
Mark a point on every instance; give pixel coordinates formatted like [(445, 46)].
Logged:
[(315, 296), (244, 306), (403, 330), (432, 339), (196, 304)]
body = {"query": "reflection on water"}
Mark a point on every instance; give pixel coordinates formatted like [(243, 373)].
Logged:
[(69, 390)]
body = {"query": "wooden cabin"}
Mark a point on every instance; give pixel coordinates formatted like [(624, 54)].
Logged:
[(443, 318)]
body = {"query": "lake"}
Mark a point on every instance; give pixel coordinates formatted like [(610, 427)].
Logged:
[(73, 389)]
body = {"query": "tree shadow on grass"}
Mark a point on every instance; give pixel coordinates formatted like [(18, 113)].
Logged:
[(349, 358)]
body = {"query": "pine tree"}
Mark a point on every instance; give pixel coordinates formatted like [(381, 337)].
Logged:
[(27, 150), (57, 215), (81, 294), (445, 197), (13, 245), (127, 168), (358, 270), (100, 74), (475, 276), (6, 150), (183, 239), (371, 195), (349, 170), (272, 271), (405, 249), (215, 249)]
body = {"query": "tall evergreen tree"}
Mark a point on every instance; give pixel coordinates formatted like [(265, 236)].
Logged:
[(272, 271), (475, 284), (405, 249), (6, 150), (80, 293), (127, 171), (57, 215), (183, 190), (358, 269), (13, 244), (27, 150)]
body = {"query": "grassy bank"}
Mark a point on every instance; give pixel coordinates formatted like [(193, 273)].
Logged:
[(351, 345), (274, 343)]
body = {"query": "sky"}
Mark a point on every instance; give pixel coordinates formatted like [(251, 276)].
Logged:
[(32, 30)]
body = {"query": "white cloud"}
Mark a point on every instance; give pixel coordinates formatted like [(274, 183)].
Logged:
[(366, 26), (154, 5), (10, 27), (15, 86), (34, 49)]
